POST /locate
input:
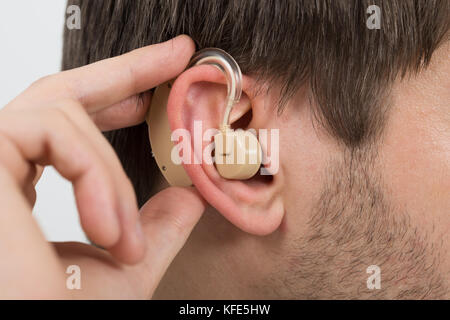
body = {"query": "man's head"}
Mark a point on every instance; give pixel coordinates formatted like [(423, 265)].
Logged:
[(364, 147)]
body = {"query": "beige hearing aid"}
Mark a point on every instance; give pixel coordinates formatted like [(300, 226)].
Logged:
[(237, 153)]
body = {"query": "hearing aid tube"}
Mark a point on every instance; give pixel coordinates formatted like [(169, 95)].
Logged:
[(225, 63)]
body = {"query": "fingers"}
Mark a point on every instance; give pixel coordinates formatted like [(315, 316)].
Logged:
[(64, 137), (21, 170), (105, 83), (127, 113), (168, 219), (48, 136), (110, 89), (29, 267), (12, 160), (130, 246)]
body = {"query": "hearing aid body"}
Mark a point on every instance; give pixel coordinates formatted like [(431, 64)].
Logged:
[(237, 152), (160, 138)]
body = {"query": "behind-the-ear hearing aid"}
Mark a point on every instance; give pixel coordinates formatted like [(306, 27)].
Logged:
[(238, 153)]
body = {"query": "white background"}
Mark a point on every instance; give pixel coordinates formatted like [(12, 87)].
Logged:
[(31, 34)]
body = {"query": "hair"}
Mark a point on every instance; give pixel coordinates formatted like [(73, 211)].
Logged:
[(324, 44), (354, 225), (349, 69)]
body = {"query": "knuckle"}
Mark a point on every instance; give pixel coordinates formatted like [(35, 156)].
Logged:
[(56, 84), (172, 222), (177, 224), (6, 177), (42, 82), (54, 122), (56, 117), (7, 149), (69, 108)]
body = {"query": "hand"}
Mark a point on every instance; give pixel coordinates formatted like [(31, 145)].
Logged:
[(58, 121)]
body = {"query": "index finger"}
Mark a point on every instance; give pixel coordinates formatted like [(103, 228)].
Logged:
[(109, 81)]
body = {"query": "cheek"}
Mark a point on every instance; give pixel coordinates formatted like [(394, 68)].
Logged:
[(304, 155), (416, 160)]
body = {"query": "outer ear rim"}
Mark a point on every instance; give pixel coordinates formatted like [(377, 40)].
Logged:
[(201, 180)]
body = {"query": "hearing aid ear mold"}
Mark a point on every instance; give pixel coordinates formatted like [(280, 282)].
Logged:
[(237, 152)]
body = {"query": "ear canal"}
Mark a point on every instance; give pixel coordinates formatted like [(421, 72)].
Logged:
[(237, 154)]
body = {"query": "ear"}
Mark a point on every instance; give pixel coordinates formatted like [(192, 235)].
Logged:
[(199, 94)]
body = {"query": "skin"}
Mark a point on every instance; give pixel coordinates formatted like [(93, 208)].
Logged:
[(402, 189), (59, 119), (256, 239)]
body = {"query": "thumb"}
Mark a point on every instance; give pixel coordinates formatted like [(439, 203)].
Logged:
[(167, 221)]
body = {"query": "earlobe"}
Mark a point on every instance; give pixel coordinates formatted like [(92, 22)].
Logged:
[(197, 97)]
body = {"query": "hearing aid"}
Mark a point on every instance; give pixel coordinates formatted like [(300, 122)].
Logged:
[(237, 153)]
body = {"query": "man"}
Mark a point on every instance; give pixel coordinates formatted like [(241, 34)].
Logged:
[(364, 150), (53, 122), (364, 121)]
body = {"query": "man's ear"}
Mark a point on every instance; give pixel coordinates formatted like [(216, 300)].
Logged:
[(197, 99)]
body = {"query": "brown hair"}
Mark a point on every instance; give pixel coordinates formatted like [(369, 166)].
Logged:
[(323, 43)]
